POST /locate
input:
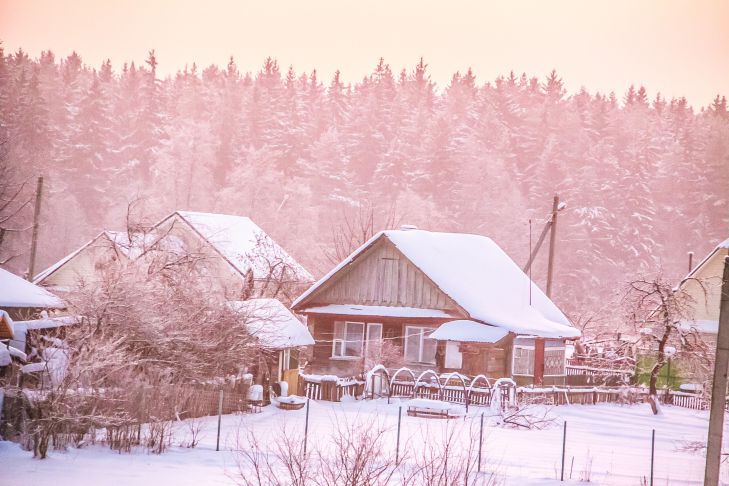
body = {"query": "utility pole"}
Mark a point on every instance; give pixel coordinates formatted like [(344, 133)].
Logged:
[(34, 238), (718, 388), (537, 246), (552, 238)]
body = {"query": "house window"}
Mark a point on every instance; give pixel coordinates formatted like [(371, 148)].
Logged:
[(523, 360), (418, 347), (554, 361), (373, 345), (348, 339)]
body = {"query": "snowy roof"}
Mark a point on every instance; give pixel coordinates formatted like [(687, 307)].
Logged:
[(21, 328), (272, 323), (120, 240), (378, 310), (236, 239), (724, 245), (709, 326), (468, 332), (476, 274), (17, 292)]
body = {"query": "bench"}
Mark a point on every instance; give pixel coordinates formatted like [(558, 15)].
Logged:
[(423, 407)]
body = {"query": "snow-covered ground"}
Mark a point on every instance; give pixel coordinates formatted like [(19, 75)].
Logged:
[(612, 441)]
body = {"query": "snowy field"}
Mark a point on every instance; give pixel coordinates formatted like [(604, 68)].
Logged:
[(609, 444)]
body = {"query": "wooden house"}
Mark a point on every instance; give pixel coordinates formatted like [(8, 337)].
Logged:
[(445, 301), (703, 284), (239, 257)]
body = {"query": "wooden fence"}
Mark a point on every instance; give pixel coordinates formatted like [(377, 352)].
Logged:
[(330, 390), (334, 391)]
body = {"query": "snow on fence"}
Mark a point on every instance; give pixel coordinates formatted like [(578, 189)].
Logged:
[(329, 387), (454, 388), (687, 400)]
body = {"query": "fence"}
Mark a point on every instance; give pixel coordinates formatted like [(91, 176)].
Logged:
[(116, 410), (327, 389), (441, 387)]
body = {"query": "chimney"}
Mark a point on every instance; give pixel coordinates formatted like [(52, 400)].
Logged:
[(408, 227)]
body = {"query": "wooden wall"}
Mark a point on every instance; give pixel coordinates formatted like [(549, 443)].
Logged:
[(383, 276)]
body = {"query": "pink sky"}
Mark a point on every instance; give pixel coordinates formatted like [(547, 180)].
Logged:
[(677, 47)]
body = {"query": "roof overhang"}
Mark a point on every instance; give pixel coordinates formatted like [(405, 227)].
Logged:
[(466, 331), (377, 311)]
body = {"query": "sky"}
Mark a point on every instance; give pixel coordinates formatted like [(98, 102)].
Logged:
[(680, 48)]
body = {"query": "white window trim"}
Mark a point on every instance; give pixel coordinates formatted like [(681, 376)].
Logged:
[(420, 344), (367, 339), (343, 341), (513, 359)]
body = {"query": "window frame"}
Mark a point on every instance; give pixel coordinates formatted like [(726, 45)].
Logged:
[(421, 341), (368, 338), (342, 342), (530, 351)]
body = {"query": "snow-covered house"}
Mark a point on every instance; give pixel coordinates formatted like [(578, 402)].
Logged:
[(448, 301), (23, 307), (281, 336), (703, 284), (240, 256), (22, 299)]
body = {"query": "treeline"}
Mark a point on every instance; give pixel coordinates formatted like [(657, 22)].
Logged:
[(645, 179)]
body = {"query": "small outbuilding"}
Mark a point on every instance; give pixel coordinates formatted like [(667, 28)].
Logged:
[(280, 334)]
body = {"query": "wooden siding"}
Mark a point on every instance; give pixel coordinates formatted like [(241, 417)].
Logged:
[(706, 292), (487, 359), (322, 329), (383, 276)]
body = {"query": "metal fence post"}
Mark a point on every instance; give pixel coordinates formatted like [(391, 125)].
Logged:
[(306, 425), (653, 452), (220, 417), (564, 447), (397, 445), (480, 443)]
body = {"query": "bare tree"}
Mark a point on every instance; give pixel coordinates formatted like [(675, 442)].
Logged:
[(13, 200), (357, 226), (356, 456), (661, 315), (148, 329), (273, 273)]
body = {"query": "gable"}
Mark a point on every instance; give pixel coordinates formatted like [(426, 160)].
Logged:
[(245, 246), (704, 286), (382, 276), (83, 264), (215, 265)]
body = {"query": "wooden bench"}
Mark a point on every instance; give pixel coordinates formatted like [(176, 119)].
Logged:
[(424, 407)]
